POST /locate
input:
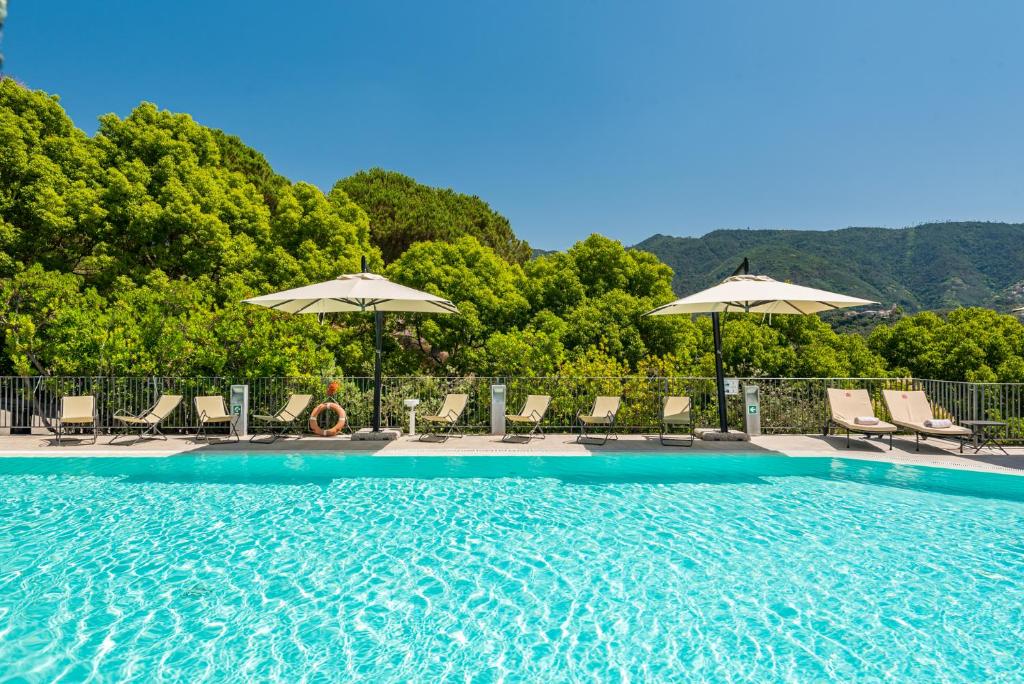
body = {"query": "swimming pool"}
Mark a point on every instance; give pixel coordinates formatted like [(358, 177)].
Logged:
[(656, 568)]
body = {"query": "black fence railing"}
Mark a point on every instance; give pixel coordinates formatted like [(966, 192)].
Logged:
[(788, 405)]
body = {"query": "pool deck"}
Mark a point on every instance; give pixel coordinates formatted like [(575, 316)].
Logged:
[(933, 453)]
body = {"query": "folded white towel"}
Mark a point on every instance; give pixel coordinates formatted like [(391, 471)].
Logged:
[(938, 423), (865, 420)]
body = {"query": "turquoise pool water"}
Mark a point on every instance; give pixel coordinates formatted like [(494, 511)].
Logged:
[(639, 568)]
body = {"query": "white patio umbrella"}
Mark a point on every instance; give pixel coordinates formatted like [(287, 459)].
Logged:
[(358, 292), (752, 294), (1020, 310)]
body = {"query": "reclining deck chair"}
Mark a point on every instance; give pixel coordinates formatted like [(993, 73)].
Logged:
[(285, 421), (851, 409), (530, 417), (447, 418), (148, 422), (77, 412), (210, 410), (604, 413), (910, 410), (675, 411)]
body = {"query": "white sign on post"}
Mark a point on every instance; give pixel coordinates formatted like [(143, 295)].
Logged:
[(732, 386)]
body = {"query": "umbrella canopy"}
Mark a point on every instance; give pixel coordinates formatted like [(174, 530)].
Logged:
[(354, 292), (1020, 310), (759, 294), (358, 292), (752, 294)]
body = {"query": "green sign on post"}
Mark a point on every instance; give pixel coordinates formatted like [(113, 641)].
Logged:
[(752, 408)]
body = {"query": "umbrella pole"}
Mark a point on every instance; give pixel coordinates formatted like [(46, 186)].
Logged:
[(378, 324), (716, 331)]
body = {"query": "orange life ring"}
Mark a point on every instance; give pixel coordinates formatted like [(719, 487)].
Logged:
[(314, 426)]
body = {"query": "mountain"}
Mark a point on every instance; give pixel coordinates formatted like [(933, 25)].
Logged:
[(931, 266)]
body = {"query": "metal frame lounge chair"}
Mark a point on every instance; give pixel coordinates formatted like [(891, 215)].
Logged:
[(846, 406), (675, 411), (604, 414), (530, 417), (910, 409), (210, 410), (285, 421), (447, 417), (77, 412), (148, 422)]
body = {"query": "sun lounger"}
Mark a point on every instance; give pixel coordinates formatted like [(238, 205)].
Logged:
[(148, 422), (851, 409), (603, 415), (529, 419), (284, 421), (211, 411), (447, 418), (910, 410), (675, 412), (77, 412)]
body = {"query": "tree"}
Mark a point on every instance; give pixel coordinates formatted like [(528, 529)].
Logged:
[(403, 212), (972, 344), (129, 253), (486, 289), (50, 197), (50, 325)]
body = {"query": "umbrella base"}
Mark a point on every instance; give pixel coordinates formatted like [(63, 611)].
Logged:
[(712, 435), (368, 435)]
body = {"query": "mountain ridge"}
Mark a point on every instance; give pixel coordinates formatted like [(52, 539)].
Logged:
[(931, 266)]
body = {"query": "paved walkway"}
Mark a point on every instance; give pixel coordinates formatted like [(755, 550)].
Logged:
[(933, 453)]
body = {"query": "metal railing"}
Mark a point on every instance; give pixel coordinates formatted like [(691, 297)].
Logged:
[(34, 402), (788, 405)]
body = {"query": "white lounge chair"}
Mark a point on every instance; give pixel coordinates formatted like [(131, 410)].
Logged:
[(847, 406), (910, 410)]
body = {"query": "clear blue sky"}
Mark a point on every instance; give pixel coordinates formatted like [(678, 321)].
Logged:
[(621, 118)]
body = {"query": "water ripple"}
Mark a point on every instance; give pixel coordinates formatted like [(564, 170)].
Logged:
[(218, 568)]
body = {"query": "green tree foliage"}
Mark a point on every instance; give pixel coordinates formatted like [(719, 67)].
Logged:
[(129, 252), (486, 288), (590, 299), (403, 212), (971, 344)]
